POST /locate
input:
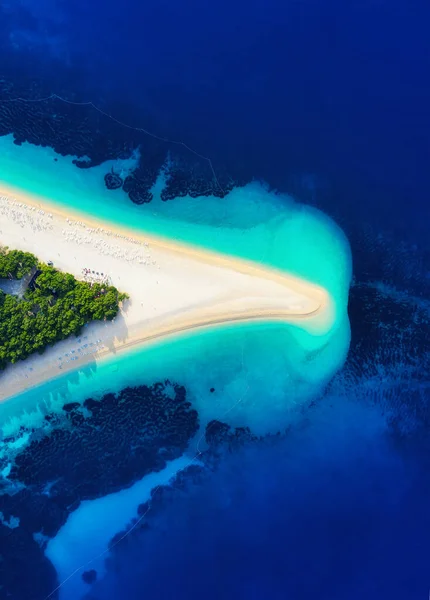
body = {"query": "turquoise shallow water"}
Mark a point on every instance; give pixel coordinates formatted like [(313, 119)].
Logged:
[(238, 361)]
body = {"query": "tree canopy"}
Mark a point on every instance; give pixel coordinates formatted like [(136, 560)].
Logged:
[(56, 307), (15, 263)]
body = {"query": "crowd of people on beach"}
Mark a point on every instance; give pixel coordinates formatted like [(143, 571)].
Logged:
[(23, 214), (107, 248), (84, 348), (92, 276), (79, 232)]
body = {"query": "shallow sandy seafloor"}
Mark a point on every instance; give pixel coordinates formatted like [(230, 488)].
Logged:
[(67, 448)]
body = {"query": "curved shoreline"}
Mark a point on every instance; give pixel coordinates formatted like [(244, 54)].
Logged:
[(51, 374), (199, 289), (195, 252)]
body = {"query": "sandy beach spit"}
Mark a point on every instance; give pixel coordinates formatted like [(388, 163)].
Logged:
[(173, 287)]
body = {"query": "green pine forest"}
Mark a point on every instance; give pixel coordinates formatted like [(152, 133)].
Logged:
[(58, 306)]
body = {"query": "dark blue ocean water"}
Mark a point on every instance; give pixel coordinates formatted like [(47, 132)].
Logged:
[(328, 101), (283, 90)]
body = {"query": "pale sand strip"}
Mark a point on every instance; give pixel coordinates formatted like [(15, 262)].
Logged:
[(173, 287)]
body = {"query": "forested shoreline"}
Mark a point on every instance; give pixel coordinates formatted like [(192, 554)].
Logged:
[(54, 306)]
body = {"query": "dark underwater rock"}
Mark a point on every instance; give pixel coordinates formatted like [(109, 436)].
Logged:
[(117, 444), (389, 358), (218, 433), (37, 512), (113, 181), (25, 572), (89, 576), (71, 406), (137, 190), (206, 181), (383, 325)]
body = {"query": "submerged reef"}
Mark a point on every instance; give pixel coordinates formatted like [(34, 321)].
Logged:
[(156, 428), (113, 181), (87, 451), (70, 129), (389, 351)]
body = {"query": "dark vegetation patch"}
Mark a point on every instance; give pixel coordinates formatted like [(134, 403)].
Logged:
[(387, 329), (121, 438), (55, 305), (14, 264), (82, 131)]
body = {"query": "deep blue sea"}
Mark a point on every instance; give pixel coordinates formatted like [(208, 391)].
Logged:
[(327, 102)]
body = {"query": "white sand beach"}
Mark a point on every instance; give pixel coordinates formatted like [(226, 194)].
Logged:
[(173, 287)]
